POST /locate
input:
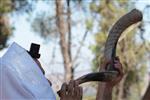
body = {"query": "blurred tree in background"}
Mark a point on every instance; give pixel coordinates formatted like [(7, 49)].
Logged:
[(131, 50), (8, 7), (58, 25), (5, 30), (132, 47)]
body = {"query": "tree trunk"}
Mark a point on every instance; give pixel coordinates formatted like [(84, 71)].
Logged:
[(69, 37), (64, 44)]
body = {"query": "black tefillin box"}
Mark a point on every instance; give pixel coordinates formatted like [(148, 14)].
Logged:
[(34, 51)]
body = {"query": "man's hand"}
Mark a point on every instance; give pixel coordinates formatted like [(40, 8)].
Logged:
[(118, 67), (105, 89), (70, 91)]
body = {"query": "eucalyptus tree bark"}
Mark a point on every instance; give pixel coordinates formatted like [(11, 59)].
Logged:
[(64, 43)]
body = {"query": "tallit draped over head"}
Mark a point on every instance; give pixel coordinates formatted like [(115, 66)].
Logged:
[(21, 78)]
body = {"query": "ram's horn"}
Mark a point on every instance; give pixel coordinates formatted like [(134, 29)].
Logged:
[(110, 48)]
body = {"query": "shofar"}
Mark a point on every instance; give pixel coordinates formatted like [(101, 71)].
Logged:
[(110, 47)]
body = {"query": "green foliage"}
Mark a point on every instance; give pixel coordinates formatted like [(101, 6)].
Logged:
[(131, 53), (45, 25), (89, 24), (8, 6), (5, 6)]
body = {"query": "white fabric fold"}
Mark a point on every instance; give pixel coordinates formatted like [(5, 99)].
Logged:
[(21, 78)]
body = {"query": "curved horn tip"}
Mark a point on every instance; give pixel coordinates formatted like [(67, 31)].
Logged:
[(138, 13)]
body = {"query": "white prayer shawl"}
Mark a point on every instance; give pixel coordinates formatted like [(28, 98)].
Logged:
[(21, 78)]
